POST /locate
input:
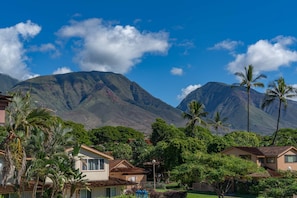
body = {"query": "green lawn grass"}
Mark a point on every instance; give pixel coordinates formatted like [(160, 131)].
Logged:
[(210, 195), (194, 194)]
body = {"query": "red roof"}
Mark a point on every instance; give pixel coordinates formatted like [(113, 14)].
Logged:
[(124, 167), (274, 151), (252, 150)]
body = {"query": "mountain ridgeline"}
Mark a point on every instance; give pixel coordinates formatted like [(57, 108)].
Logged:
[(231, 103), (98, 99), (6, 83)]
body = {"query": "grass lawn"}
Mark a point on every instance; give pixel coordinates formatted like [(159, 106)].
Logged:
[(209, 195), (193, 194)]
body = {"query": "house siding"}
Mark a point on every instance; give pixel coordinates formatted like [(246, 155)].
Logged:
[(272, 166), (237, 152), (2, 115), (122, 169), (92, 174), (99, 192), (282, 165), (278, 153)]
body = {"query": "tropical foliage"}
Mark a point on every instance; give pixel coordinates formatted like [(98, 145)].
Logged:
[(248, 80), (219, 123), (284, 186), (189, 154), (280, 91), (217, 170), (35, 133), (196, 111)]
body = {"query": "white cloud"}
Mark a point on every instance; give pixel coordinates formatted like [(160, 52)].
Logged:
[(27, 29), (43, 48), (62, 70), (266, 55), (116, 48), (226, 45), (187, 90), (48, 47), (176, 71), (13, 57)]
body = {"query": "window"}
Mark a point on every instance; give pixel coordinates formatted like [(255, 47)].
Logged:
[(132, 179), (92, 164), (111, 192), (261, 160), (270, 160), (247, 157), (84, 193), (290, 158)]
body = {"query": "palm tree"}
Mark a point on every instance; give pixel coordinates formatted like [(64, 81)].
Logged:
[(248, 81), (194, 115), (49, 159), (278, 90), (218, 122), (22, 119)]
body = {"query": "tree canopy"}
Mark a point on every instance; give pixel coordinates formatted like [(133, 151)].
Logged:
[(217, 170)]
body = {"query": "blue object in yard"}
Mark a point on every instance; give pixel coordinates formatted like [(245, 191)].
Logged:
[(141, 194)]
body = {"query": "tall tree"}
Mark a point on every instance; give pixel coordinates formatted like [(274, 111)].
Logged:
[(248, 80), (164, 132), (22, 119), (194, 115), (242, 138), (217, 170), (49, 160), (219, 123), (280, 91)]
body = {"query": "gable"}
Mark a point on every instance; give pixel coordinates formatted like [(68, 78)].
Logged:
[(92, 153), (120, 164)]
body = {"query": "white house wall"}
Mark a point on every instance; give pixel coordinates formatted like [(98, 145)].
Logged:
[(100, 192), (92, 174)]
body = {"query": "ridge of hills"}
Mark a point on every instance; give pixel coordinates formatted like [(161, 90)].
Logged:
[(231, 102), (98, 99)]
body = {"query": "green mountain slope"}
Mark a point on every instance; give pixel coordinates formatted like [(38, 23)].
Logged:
[(98, 99), (6, 83)]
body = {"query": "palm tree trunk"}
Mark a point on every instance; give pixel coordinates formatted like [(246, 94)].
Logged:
[(35, 187), (248, 112), (278, 119)]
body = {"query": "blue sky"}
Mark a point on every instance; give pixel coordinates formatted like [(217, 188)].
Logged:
[(168, 47)]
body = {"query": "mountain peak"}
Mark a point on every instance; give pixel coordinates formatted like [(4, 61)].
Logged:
[(98, 99)]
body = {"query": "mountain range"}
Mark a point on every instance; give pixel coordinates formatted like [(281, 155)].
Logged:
[(98, 99), (231, 103)]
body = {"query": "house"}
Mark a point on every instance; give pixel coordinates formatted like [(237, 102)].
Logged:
[(95, 165), (122, 169), (271, 157), (4, 101)]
